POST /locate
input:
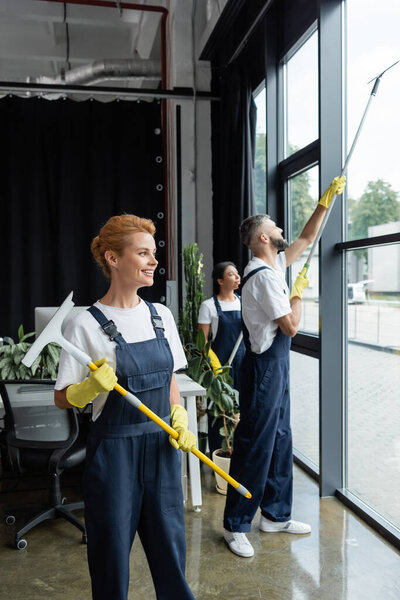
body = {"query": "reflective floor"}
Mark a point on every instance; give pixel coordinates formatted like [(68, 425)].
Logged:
[(342, 559)]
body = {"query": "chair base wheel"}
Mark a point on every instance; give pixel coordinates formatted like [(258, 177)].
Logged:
[(10, 520), (21, 544)]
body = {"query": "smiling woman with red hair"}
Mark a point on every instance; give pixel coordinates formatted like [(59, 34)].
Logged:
[(132, 479)]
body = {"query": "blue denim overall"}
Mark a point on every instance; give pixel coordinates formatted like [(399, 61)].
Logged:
[(132, 479), (229, 328), (262, 445)]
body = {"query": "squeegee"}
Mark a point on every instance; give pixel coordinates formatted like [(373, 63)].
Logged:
[(53, 333)]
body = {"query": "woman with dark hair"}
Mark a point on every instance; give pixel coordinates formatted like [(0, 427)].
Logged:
[(221, 315), (132, 478)]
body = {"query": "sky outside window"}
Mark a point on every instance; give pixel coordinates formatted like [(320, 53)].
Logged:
[(373, 44), (302, 96)]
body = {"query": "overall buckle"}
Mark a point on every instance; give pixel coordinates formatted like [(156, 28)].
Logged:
[(111, 330), (157, 322)]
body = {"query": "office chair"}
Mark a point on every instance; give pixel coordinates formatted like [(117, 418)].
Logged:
[(39, 436)]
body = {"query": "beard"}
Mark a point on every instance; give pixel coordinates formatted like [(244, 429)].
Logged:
[(280, 244)]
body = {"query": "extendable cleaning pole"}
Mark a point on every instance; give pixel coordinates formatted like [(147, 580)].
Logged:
[(329, 210), (52, 333), (346, 164)]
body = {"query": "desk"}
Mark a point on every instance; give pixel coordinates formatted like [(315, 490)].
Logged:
[(31, 394), (40, 394), (189, 389)]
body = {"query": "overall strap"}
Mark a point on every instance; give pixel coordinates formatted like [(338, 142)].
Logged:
[(217, 305), (107, 325), (253, 272), (246, 336), (156, 320)]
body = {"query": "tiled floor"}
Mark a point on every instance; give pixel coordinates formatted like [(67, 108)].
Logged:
[(342, 559)]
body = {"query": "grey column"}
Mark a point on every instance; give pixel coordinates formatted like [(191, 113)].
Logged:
[(331, 281)]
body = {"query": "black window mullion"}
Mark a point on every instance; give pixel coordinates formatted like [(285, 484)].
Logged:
[(300, 161), (380, 240)]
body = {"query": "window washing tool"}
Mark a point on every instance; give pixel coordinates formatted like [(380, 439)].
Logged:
[(52, 333), (377, 80), (306, 266), (235, 348)]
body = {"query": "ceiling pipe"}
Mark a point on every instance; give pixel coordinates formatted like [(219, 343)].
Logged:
[(164, 15), (105, 69)]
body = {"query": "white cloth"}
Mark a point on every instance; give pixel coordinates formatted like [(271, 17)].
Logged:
[(208, 313), (265, 298), (134, 324)]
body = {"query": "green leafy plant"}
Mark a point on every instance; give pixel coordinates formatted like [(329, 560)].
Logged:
[(194, 279), (224, 404), (11, 354)]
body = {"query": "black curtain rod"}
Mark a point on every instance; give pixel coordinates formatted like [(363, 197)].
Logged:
[(174, 94)]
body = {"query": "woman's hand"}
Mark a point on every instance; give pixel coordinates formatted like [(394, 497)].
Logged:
[(179, 421)]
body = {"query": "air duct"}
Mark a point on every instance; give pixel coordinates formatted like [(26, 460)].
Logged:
[(100, 70)]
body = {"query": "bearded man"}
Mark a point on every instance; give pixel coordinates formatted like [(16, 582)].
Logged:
[(262, 458)]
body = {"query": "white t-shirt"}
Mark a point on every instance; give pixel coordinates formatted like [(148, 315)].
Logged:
[(208, 313), (265, 298), (134, 324)]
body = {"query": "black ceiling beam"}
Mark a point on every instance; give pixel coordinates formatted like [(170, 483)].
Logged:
[(178, 93)]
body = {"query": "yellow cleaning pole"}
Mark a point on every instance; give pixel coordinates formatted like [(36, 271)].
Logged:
[(151, 415)]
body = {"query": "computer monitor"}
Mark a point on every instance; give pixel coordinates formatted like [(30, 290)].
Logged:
[(43, 314)]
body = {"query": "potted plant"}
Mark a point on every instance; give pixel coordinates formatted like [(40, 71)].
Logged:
[(204, 367), (187, 326), (11, 355), (194, 284)]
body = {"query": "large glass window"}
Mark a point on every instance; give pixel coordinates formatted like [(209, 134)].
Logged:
[(304, 398), (373, 380), (303, 197), (372, 452), (373, 44), (301, 94), (260, 166)]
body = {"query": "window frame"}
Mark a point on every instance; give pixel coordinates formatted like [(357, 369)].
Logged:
[(288, 167), (328, 151)]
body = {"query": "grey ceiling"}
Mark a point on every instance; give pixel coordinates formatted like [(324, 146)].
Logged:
[(44, 38)]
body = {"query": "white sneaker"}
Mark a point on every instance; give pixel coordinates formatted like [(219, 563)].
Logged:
[(238, 543), (284, 526)]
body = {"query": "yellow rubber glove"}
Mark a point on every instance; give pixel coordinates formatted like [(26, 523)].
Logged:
[(299, 285), (179, 421), (214, 361), (337, 187), (102, 380)]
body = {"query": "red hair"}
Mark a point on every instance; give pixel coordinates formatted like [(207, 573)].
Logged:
[(114, 235)]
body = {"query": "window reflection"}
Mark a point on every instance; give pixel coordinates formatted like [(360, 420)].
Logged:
[(304, 398), (301, 98), (373, 382), (373, 43), (303, 198), (260, 163)]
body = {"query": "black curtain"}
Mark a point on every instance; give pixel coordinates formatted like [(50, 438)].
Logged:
[(234, 123), (237, 49), (233, 141), (67, 167)]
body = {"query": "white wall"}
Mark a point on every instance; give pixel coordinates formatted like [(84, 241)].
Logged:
[(185, 70)]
